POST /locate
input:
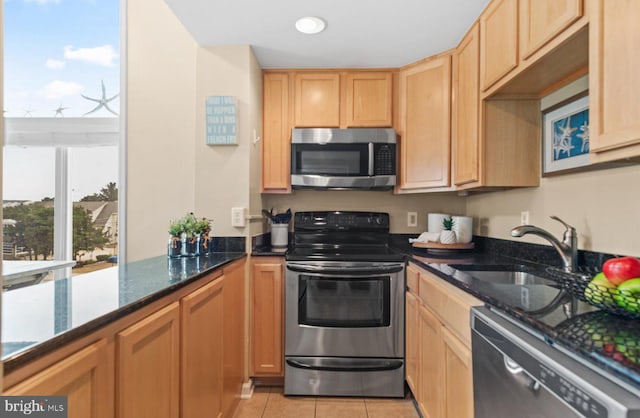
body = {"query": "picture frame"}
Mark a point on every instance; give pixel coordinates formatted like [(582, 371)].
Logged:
[(221, 119), (565, 136)]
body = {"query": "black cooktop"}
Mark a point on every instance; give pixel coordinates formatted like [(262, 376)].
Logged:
[(341, 236)]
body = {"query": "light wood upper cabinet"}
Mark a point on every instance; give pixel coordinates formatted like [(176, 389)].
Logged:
[(368, 99), (148, 364), (317, 100), (425, 119), (466, 104), (267, 305), (498, 41), (276, 134), (85, 378), (542, 20), (614, 85), (201, 351), (233, 337)]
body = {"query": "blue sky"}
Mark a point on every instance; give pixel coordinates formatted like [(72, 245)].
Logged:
[(56, 50)]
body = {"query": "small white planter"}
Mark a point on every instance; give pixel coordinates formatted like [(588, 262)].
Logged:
[(447, 237)]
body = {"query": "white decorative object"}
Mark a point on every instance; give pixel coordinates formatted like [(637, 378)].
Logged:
[(463, 227), (434, 221), (447, 237)]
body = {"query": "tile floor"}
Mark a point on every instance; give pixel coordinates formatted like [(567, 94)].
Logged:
[(269, 402)]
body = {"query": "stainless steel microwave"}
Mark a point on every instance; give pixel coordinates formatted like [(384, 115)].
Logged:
[(354, 158)]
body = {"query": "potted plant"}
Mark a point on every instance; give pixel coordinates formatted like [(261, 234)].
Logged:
[(202, 228), (190, 235), (447, 236), (174, 247)]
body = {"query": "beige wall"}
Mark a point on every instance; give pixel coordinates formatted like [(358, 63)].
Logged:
[(161, 86), (225, 174), (602, 205), (1, 142), (396, 205)]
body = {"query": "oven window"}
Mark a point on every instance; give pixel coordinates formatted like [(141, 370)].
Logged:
[(344, 303), (330, 159)]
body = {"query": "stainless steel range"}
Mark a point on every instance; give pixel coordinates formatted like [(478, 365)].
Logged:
[(344, 303)]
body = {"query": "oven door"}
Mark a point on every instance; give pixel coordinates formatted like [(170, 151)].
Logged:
[(342, 309)]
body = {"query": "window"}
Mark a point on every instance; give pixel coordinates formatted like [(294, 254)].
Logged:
[(61, 150)]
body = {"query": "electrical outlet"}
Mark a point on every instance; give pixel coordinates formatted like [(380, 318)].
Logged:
[(237, 217), (412, 219), (524, 217)]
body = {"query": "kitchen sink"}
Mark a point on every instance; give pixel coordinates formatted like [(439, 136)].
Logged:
[(502, 274)]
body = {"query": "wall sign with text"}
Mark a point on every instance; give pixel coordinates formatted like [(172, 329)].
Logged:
[(222, 120)]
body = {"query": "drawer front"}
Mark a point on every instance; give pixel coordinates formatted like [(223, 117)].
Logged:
[(413, 278), (451, 304)]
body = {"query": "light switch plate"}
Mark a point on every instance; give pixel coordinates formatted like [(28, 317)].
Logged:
[(237, 217), (412, 219)]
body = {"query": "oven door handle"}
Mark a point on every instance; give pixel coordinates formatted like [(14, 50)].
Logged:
[(346, 270), (344, 365)]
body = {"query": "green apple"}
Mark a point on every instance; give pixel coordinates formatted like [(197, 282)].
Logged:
[(601, 291), (628, 295)]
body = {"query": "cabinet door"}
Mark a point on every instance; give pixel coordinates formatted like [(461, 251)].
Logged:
[(267, 290), (498, 41), (431, 366), (458, 377), (276, 134), (542, 20), (148, 366), (368, 99), (233, 347), (411, 341), (201, 352), (466, 136), (317, 100), (85, 378), (425, 145), (614, 84)]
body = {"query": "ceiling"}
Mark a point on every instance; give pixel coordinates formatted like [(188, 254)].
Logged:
[(359, 33)]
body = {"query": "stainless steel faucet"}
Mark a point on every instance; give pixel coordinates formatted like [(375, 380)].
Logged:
[(568, 248)]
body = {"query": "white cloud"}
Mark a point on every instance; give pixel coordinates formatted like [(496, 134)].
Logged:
[(102, 55), (58, 89), (55, 64), (42, 2)]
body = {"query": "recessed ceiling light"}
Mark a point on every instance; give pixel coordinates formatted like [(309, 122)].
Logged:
[(310, 25)]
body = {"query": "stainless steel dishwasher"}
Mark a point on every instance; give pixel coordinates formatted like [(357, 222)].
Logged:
[(517, 373)]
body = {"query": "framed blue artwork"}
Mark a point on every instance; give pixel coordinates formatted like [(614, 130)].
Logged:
[(221, 120), (565, 138)]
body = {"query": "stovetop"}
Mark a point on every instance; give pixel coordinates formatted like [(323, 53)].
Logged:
[(341, 236)]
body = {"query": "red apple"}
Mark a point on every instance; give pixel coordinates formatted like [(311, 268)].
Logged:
[(617, 270)]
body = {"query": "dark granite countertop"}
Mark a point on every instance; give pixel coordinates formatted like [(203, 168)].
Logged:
[(268, 250), (608, 342), (39, 319)]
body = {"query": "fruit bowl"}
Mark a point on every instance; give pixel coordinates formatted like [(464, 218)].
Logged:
[(599, 294)]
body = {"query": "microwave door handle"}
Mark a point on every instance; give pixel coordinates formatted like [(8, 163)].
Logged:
[(371, 158)]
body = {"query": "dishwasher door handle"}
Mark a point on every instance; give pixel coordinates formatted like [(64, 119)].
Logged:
[(515, 369)]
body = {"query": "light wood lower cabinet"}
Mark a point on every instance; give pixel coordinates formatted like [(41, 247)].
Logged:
[(233, 347), (85, 378), (267, 319), (148, 366), (201, 351), (412, 341), (443, 379)]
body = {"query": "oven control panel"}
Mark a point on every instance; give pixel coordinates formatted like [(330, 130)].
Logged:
[(340, 220)]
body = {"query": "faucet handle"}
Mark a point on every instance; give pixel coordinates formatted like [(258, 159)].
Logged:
[(566, 225)]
